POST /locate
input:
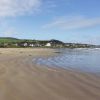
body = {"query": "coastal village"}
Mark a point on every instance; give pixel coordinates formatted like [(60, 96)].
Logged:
[(14, 42)]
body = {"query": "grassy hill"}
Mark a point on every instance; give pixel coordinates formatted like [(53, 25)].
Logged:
[(8, 40), (13, 40)]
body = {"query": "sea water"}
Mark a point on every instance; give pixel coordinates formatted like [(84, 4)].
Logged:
[(87, 60)]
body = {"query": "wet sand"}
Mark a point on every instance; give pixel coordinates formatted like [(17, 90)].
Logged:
[(20, 79)]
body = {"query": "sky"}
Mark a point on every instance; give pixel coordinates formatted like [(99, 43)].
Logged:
[(65, 20)]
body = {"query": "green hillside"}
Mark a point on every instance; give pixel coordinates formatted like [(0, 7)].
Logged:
[(8, 40)]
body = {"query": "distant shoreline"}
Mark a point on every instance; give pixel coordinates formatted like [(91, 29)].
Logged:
[(9, 42)]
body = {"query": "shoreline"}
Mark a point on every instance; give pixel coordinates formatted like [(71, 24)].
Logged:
[(21, 79)]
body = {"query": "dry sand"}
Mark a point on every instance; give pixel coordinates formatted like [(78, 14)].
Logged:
[(20, 79)]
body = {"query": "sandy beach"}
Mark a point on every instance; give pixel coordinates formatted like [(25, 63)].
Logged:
[(21, 79)]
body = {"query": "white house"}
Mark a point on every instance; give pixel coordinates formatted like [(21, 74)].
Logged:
[(31, 45), (25, 44), (48, 45)]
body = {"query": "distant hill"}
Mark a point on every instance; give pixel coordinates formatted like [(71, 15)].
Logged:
[(11, 39), (8, 39), (56, 41)]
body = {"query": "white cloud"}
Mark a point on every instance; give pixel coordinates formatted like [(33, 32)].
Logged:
[(73, 22), (18, 7)]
